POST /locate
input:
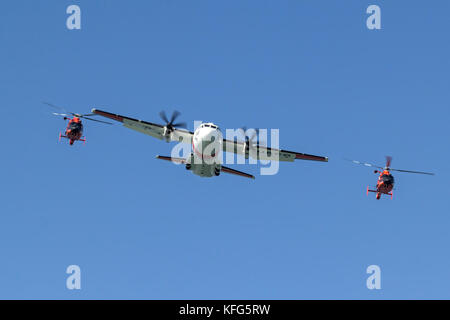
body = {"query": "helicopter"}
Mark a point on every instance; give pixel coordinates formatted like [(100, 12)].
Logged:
[(385, 183), (74, 129)]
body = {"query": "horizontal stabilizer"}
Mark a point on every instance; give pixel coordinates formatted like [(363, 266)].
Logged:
[(236, 172), (176, 160)]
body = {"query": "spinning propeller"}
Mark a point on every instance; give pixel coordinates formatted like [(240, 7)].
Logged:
[(67, 114), (388, 166), (249, 140), (170, 125)]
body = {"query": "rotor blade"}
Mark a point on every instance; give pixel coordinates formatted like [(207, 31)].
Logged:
[(408, 171), (60, 114), (388, 161), (60, 108), (96, 120), (56, 107), (180, 125), (364, 163), (175, 115), (163, 116)]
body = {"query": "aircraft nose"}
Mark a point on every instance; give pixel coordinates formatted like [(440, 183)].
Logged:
[(212, 135)]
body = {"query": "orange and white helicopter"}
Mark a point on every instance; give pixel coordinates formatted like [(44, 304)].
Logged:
[(74, 129), (385, 183)]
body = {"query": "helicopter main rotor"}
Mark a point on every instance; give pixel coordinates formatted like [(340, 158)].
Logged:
[(387, 167), (67, 114)]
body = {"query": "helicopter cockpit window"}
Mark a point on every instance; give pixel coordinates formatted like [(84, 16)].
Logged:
[(75, 125), (388, 179)]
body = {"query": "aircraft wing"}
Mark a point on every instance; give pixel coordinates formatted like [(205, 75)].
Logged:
[(151, 129), (265, 153)]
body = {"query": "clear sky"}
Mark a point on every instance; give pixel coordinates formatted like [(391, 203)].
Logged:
[(141, 228)]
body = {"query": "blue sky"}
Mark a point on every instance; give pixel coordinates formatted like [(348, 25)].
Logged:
[(141, 228)]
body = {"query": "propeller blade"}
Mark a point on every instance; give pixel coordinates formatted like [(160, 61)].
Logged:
[(169, 124), (163, 116), (175, 115), (408, 171), (180, 125), (254, 132)]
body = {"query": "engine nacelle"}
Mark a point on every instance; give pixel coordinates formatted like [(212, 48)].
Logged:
[(166, 134), (217, 171)]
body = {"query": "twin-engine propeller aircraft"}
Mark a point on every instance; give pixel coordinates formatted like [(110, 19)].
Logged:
[(385, 183), (74, 129), (206, 142)]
